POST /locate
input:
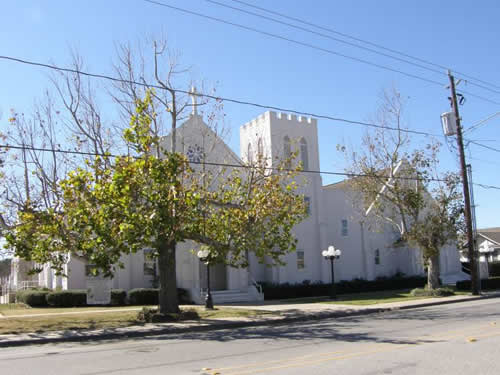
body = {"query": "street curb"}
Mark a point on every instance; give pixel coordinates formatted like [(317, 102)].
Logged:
[(232, 325)]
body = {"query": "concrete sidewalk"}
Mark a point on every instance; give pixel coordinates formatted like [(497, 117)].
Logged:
[(284, 313)]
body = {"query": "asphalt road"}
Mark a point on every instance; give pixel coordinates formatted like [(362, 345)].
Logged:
[(462, 338)]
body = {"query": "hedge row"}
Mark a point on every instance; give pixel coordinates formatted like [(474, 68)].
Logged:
[(33, 298), (150, 296), (143, 296), (67, 298), (307, 289), (491, 283), (494, 269), (78, 297)]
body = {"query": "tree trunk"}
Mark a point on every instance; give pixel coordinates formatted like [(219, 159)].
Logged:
[(168, 301), (433, 272)]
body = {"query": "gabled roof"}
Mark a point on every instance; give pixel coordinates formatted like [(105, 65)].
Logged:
[(338, 184), (390, 173), (491, 234), (194, 127)]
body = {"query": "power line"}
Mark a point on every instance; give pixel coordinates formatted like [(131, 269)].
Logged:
[(486, 186), (330, 30), (309, 114), (483, 146), (479, 123), (312, 46), (478, 97), (483, 160), (219, 98), (326, 36), (441, 72), (333, 173), (303, 44), (242, 102), (344, 174)]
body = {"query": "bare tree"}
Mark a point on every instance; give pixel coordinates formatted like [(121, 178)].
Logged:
[(160, 69), (81, 115), (66, 118), (401, 186)]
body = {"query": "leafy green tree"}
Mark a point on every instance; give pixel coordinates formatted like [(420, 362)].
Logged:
[(120, 206)]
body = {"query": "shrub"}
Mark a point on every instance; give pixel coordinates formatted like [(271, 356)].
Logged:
[(150, 296), (183, 296), (148, 315), (491, 283), (308, 289), (145, 314), (143, 296), (33, 297), (118, 297), (439, 292), (494, 269), (67, 298)]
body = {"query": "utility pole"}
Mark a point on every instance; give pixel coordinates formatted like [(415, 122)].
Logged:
[(474, 224), (465, 183)]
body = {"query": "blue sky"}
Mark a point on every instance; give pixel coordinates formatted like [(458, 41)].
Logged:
[(460, 34)]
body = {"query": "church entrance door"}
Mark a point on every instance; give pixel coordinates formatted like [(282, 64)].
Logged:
[(218, 276)]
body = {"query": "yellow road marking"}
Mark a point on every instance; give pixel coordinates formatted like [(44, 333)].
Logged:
[(336, 358), (487, 335), (455, 333), (277, 361), (297, 361)]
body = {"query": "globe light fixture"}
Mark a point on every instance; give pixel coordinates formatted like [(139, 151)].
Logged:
[(332, 254), (204, 256)]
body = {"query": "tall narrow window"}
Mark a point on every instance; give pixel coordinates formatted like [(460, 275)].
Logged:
[(307, 202), (260, 150), (301, 264), (303, 154), (249, 154), (149, 262), (344, 228), (377, 256), (287, 151)]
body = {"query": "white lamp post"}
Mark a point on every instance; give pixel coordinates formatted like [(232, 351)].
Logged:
[(204, 255), (332, 254)]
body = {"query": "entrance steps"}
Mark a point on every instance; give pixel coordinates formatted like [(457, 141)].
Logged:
[(230, 296), (452, 278), (252, 294)]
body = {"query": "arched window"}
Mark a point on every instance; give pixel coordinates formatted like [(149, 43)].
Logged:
[(303, 154), (287, 151), (249, 154), (260, 150)]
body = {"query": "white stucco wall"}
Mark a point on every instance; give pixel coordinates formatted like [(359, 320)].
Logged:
[(362, 241), (269, 130), (329, 205)]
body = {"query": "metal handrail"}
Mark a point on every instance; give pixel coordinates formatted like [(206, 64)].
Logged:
[(255, 283), (28, 284)]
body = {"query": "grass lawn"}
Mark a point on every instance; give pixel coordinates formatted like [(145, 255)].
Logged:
[(13, 323), (227, 312), (373, 298), (21, 309), (58, 322), (360, 299)]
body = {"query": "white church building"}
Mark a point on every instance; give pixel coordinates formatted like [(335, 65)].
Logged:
[(332, 220)]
